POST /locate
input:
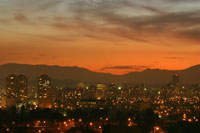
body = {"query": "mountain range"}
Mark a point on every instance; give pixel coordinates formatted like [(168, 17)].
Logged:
[(57, 73)]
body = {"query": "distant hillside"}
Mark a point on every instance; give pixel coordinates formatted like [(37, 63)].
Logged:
[(149, 76), (56, 72)]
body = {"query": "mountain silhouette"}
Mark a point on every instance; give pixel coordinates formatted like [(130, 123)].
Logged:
[(149, 76)]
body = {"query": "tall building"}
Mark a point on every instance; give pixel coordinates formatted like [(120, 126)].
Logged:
[(100, 91), (45, 97), (72, 97), (16, 89), (23, 88), (176, 79), (3, 101), (89, 92)]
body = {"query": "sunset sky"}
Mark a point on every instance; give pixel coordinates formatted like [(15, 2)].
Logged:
[(116, 36)]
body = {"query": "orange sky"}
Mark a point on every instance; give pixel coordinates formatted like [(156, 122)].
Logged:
[(116, 36)]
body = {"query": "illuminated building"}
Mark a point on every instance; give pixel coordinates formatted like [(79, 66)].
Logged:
[(32, 92), (22, 88), (100, 91), (175, 82), (91, 104), (58, 97), (71, 97), (16, 89), (89, 92), (3, 100), (11, 87), (44, 92), (81, 85)]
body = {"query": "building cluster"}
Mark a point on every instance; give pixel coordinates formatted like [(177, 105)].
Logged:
[(16, 90), (18, 93), (172, 99)]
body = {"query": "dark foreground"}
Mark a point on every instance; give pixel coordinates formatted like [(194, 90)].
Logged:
[(86, 121)]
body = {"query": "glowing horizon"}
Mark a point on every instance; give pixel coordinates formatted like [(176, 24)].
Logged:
[(115, 36), (113, 71)]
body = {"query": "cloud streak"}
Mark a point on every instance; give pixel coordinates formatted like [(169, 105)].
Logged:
[(20, 17), (174, 58), (102, 32), (131, 67), (117, 19), (137, 28)]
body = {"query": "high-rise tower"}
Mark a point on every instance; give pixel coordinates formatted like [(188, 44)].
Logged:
[(44, 91), (16, 89), (176, 79)]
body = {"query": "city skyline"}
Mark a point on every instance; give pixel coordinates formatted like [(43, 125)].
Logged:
[(103, 66), (71, 76), (116, 36)]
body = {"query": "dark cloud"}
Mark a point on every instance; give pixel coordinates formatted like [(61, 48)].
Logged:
[(154, 10), (4, 21), (181, 1), (138, 28), (132, 67), (93, 31), (174, 58), (173, 23), (43, 55), (107, 18), (31, 6), (55, 38), (62, 26), (59, 19), (192, 34), (99, 37), (48, 4), (40, 56), (20, 17)]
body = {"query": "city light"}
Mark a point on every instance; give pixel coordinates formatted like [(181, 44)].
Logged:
[(165, 102), (91, 124), (73, 66)]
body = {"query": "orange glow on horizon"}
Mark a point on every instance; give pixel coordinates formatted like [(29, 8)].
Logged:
[(100, 40)]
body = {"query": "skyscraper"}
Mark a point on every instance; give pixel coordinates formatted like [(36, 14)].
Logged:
[(16, 89), (44, 91), (176, 79), (22, 88)]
